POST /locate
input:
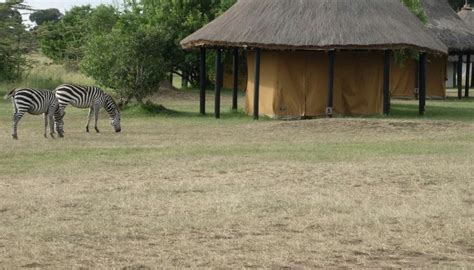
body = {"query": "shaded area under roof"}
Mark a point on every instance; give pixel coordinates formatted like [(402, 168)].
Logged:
[(448, 26), (317, 25)]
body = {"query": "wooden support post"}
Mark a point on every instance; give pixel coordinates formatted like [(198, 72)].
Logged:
[(468, 74), (422, 91), (256, 92), (459, 75), (217, 99), (472, 76), (329, 108), (386, 83), (235, 89), (202, 81)]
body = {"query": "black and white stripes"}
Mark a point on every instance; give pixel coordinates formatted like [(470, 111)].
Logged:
[(88, 97), (35, 101)]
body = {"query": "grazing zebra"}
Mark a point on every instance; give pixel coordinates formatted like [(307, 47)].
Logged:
[(88, 97), (35, 101)]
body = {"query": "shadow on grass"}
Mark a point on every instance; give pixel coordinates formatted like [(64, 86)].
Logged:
[(150, 109), (450, 109)]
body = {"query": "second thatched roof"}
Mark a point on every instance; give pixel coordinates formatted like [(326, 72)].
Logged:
[(448, 26), (317, 25), (467, 16)]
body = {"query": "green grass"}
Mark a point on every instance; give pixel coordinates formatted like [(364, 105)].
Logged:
[(177, 189)]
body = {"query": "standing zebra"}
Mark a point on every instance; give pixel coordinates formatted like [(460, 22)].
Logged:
[(88, 97), (35, 101)]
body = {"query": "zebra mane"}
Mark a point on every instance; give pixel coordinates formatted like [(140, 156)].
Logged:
[(10, 94), (110, 105)]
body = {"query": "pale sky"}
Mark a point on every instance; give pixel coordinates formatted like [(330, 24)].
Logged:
[(64, 5)]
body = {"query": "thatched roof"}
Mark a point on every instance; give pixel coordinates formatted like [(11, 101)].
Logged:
[(467, 15), (447, 26), (317, 25)]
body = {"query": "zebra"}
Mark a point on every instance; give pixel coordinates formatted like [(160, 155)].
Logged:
[(35, 101), (88, 97)]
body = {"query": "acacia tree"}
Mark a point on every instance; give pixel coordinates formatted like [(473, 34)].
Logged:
[(46, 15)]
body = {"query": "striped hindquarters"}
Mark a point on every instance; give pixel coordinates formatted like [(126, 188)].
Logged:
[(34, 101)]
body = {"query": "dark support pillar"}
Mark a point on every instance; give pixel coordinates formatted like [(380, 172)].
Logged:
[(386, 83), (202, 81), (468, 73), (256, 92), (330, 84), (217, 100), (472, 76), (235, 89), (459, 75), (422, 91)]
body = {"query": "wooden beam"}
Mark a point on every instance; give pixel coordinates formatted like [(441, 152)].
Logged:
[(235, 89), (468, 74), (459, 75), (256, 92), (329, 108), (386, 83), (218, 87), (202, 80), (422, 91)]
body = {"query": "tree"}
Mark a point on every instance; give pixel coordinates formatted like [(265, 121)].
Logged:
[(63, 41), (46, 15), (12, 44), (129, 58)]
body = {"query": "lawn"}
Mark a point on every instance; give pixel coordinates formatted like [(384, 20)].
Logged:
[(180, 190)]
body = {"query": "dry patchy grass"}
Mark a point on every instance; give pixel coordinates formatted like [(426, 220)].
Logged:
[(188, 191)]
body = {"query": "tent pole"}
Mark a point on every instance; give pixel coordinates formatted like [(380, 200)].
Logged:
[(468, 73), (256, 93), (459, 79), (202, 81), (472, 76), (329, 108), (235, 90), (386, 83), (422, 91), (218, 86)]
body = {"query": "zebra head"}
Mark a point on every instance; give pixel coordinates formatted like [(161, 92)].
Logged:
[(115, 121)]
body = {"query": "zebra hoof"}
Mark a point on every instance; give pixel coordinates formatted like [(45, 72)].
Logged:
[(52, 136), (45, 136), (87, 129), (15, 137), (97, 130)]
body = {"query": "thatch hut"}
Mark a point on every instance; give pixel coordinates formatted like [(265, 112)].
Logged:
[(467, 15), (448, 27), (313, 57)]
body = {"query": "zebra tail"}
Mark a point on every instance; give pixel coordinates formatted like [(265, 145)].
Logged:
[(9, 95)]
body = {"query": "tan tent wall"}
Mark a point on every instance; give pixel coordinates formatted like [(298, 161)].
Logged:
[(228, 82), (294, 84), (403, 78)]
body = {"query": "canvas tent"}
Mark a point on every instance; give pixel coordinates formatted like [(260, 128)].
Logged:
[(313, 57)]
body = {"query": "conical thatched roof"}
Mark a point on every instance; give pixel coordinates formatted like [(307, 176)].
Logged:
[(447, 26), (467, 15), (317, 25)]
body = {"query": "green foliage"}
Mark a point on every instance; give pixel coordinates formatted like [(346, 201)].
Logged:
[(129, 58), (63, 40), (13, 42), (417, 9), (457, 4), (46, 15)]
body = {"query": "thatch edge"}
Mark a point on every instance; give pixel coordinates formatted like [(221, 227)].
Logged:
[(277, 47)]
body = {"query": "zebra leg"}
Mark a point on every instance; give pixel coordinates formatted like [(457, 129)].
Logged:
[(45, 116), (89, 117), (58, 123), (51, 123), (16, 118), (96, 115)]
